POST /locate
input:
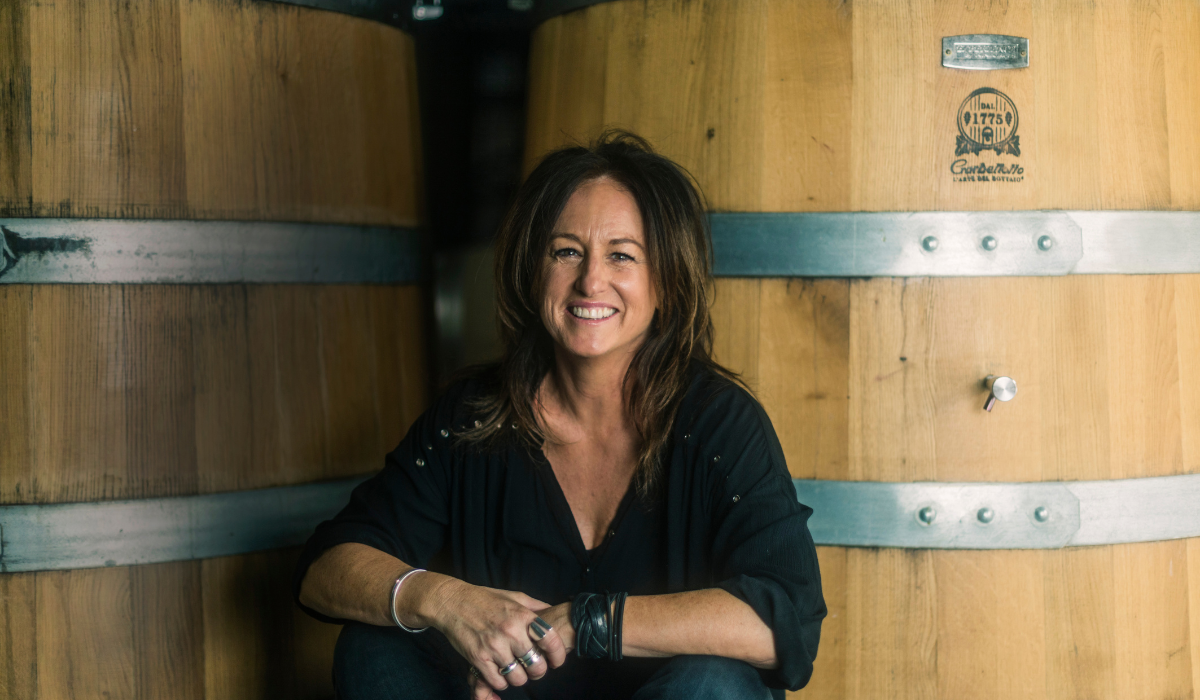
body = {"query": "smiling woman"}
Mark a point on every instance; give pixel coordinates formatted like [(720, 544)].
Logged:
[(598, 297), (605, 452)]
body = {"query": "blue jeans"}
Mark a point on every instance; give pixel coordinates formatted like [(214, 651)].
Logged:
[(385, 662)]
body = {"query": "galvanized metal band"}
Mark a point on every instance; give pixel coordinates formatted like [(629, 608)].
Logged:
[(955, 244), (122, 251), (396, 13), (153, 530), (1045, 515)]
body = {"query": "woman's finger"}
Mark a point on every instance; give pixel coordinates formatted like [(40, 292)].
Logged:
[(551, 644), (490, 674), (480, 690), (517, 675), (536, 668)]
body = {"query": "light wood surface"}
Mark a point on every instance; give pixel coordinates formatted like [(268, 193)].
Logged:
[(196, 109), (829, 106), (207, 110)]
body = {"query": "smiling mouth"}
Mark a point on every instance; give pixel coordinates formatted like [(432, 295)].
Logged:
[(593, 313)]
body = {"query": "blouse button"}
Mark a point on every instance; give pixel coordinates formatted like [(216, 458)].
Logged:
[(445, 433), (686, 436), (736, 499), (420, 462), (477, 424), (717, 458), (429, 447)]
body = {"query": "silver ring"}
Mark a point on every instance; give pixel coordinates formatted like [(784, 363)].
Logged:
[(530, 658), (509, 668)]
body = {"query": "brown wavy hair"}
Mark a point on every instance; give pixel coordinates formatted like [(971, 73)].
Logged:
[(678, 248)]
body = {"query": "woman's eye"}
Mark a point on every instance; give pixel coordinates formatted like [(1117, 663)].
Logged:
[(565, 253), (622, 257)]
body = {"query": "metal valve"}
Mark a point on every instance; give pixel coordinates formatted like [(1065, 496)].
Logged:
[(999, 389)]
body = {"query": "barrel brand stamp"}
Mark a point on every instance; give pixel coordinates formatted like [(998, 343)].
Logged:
[(987, 121)]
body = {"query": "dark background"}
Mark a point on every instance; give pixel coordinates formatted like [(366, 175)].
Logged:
[(472, 64)]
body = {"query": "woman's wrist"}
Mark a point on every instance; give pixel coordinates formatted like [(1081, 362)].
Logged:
[(559, 618), (421, 601)]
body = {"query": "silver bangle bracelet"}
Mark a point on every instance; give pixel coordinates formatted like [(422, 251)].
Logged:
[(395, 590)]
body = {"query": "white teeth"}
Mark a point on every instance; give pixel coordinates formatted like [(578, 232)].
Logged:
[(582, 312)]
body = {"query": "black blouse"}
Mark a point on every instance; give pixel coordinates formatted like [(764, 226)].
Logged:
[(726, 516)]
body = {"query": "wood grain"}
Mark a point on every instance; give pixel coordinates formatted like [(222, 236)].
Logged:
[(803, 379), (829, 106), (207, 110), (18, 635), (139, 391), (168, 630), (85, 635)]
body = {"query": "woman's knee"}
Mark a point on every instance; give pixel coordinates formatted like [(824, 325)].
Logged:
[(705, 678), (372, 662)]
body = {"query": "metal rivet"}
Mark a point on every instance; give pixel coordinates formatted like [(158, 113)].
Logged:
[(929, 243), (420, 462), (1041, 514), (1045, 243), (717, 458), (445, 433), (948, 52), (990, 243), (1023, 52), (736, 499), (926, 515), (985, 515)]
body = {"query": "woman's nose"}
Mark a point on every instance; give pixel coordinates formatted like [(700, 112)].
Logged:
[(593, 276)]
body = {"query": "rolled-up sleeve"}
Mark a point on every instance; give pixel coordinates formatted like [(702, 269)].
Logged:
[(763, 552), (402, 510)]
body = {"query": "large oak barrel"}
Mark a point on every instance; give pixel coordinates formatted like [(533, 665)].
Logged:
[(846, 107), (171, 113)]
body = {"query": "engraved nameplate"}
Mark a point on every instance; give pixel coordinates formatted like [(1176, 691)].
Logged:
[(985, 52)]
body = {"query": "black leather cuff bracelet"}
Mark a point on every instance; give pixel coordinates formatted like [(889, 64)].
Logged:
[(597, 621)]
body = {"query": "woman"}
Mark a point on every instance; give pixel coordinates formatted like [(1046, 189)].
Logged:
[(605, 454)]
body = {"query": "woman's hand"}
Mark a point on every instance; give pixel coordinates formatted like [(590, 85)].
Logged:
[(490, 629), (555, 645)]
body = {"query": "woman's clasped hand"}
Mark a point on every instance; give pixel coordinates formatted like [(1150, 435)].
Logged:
[(493, 629)]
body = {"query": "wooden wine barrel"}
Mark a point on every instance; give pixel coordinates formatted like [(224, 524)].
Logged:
[(822, 106), (170, 113)]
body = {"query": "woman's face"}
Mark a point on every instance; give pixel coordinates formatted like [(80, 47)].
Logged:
[(598, 293)]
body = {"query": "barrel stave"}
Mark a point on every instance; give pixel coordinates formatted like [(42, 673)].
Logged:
[(136, 391), (208, 110)]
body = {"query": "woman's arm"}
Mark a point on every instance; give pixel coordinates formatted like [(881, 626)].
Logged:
[(353, 582), (488, 627), (710, 621)]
